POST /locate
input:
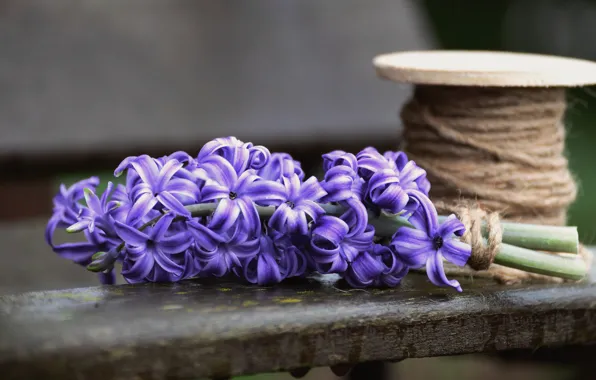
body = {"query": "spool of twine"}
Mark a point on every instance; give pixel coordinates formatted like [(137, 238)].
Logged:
[(491, 152)]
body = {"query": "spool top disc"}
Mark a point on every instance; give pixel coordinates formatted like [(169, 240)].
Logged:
[(484, 68)]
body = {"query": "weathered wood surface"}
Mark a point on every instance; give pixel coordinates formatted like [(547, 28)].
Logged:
[(192, 330)]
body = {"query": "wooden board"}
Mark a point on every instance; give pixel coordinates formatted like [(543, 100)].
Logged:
[(484, 68), (194, 330)]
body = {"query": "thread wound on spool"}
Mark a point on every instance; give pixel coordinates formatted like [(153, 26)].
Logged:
[(503, 147)]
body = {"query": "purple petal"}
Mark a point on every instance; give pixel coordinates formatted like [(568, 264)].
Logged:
[(397, 159), (278, 219), (160, 228), (206, 240), (125, 164), (80, 226), (139, 190), (214, 191), (410, 174), (311, 189), (176, 243), (225, 215), (218, 266), (130, 235), (456, 251), (147, 169), (337, 265), (293, 261), (51, 228), (170, 202), (363, 271), (436, 272), (338, 184), (137, 269), (310, 208), (220, 171), (180, 156), (356, 216), (349, 252), (80, 252), (426, 212), (412, 246), (214, 146), (141, 207), (167, 172), (292, 187), (386, 193), (451, 226), (93, 202), (259, 156), (251, 220), (339, 158), (362, 241), (268, 270), (331, 229), (288, 220), (247, 249), (264, 190), (183, 188), (105, 197), (166, 263)]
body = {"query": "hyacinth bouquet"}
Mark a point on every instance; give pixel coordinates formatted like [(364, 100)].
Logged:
[(238, 210)]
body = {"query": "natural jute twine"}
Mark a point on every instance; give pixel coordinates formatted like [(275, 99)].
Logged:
[(492, 153)]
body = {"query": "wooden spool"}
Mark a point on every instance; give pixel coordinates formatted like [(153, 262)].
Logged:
[(470, 70)]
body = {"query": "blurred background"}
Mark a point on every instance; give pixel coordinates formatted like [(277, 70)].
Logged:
[(85, 83)]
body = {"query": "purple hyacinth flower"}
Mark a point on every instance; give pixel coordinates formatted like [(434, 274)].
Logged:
[(411, 176), (393, 268), (428, 242), (363, 270), (300, 202), (155, 254), (237, 194), (97, 213), (370, 161), (263, 268), (385, 192), (281, 165), (240, 155), (220, 254), (67, 206), (336, 242), (276, 260), (160, 187), (342, 183), (294, 261), (339, 158)]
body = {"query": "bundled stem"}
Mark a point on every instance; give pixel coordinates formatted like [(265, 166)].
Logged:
[(516, 250)]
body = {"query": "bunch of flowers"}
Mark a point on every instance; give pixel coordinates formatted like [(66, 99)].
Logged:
[(238, 210)]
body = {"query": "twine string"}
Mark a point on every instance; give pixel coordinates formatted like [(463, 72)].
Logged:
[(502, 147), (492, 153)]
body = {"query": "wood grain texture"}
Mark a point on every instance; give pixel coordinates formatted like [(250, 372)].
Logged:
[(194, 330)]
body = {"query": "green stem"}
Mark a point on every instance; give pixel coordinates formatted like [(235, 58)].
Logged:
[(541, 238), (571, 267)]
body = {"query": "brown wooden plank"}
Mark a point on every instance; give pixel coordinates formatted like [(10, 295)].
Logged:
[(217, 329)]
